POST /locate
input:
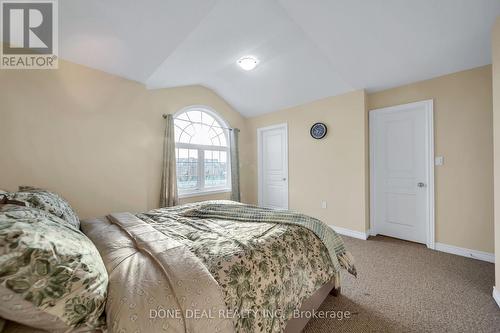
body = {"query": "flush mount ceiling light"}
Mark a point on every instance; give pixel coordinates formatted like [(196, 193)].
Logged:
[(248, 63)]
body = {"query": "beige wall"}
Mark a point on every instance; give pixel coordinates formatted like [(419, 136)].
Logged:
[(94, 137), (340, 172), (464, 136), (496, 125), (332, 169)]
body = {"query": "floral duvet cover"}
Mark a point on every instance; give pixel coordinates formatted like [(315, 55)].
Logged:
[(249, 268)]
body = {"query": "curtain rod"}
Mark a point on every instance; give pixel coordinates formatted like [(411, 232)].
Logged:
[(199, 123)]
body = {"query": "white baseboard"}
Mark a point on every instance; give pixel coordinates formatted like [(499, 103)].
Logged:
[(496, 295), (474, 254), (350, 233)]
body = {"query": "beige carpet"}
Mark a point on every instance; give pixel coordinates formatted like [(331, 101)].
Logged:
[(405, 287)]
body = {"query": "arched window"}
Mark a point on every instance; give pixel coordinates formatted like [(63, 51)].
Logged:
[(201, 151)]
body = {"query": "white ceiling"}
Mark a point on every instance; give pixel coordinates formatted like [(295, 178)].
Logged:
[(308, 49)]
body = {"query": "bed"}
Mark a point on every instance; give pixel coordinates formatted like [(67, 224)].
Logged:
[(216, 266), (213, 266)]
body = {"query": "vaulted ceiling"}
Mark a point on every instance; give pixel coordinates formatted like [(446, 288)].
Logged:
[(308, 49)]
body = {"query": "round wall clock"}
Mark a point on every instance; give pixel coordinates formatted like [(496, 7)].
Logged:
[(318, 131)]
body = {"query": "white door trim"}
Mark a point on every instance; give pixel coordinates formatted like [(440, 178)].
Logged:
[(429, 112), (259, 157)]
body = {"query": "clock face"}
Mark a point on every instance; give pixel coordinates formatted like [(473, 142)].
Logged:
[(318, 131)]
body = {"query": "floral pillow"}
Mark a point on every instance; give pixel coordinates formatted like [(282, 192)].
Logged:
[(47, 201), (51, 275)]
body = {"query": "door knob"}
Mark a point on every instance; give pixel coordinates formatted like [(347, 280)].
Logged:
[(421, 184), (284, 179)]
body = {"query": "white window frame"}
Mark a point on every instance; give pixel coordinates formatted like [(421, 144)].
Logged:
[(200, 188)]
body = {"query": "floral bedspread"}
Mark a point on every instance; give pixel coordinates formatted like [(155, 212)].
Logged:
[(265, 269)]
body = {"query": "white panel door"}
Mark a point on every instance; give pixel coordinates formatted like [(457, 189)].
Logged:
[(273, 166), (400, 140)]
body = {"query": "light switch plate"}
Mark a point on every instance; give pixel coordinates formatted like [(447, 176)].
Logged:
[(323, 204), (439, 160)]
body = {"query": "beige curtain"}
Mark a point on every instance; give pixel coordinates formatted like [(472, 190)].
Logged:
[(168, 194), (235, 164)]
